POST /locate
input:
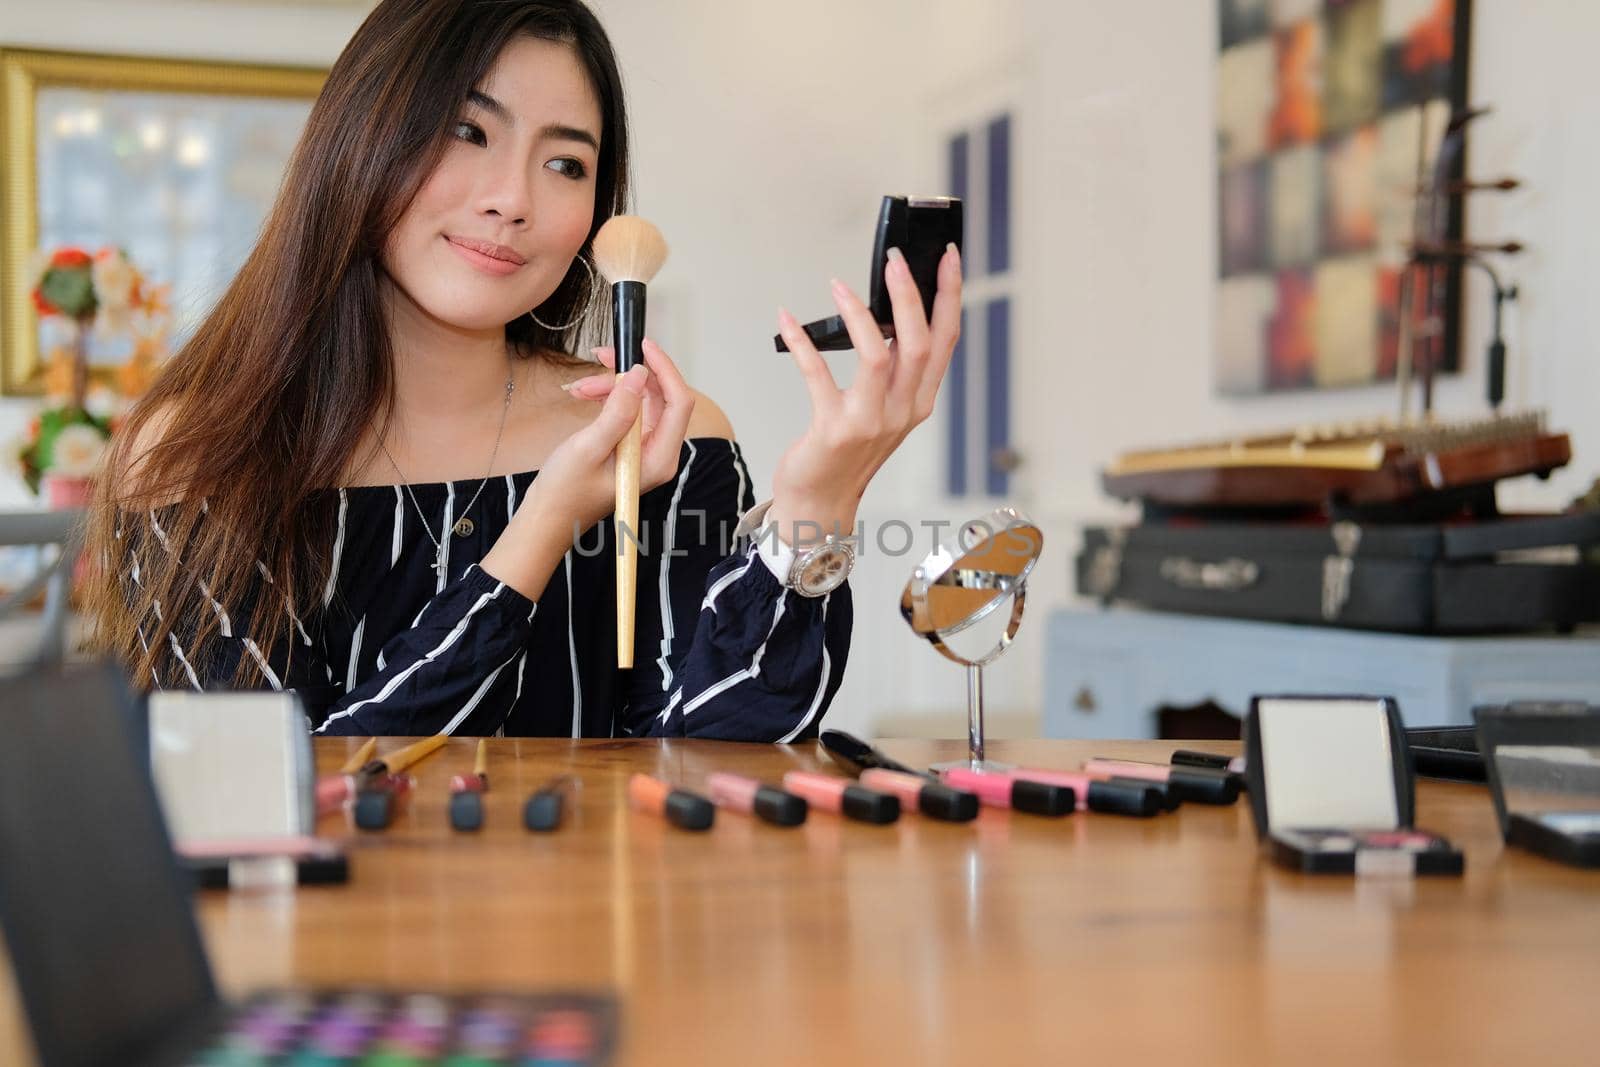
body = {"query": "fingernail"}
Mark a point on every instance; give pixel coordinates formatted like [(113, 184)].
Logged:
[(954, 251), (633, 381), (894, 255), (784, 318), (839, 289)]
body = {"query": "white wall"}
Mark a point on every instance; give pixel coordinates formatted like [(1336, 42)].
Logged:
[(766, 131)]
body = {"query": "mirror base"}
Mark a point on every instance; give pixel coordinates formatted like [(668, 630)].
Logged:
[(983, 766)]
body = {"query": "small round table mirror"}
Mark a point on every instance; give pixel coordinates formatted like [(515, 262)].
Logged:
[(982, 570)]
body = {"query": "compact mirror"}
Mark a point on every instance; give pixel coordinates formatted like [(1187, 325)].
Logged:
[(983, 569)]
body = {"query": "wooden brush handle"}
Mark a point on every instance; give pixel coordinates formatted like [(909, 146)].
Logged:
[(627, 527)]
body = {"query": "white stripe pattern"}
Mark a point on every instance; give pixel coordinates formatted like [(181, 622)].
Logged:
[(822, 682), (177, 650), (740, 676), (572, 654), (477, 698), (338, 552), (722, 583), (445, 535), (399, 679), (355, 655), (305, 638), (399, 526), (668, 540), (261, 661)]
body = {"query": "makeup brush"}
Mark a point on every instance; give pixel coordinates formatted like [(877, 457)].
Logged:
[(627, 252)]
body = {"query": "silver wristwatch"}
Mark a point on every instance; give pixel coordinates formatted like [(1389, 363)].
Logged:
[(814, 571)]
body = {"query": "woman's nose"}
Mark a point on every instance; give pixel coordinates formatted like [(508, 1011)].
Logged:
[(508, 195)]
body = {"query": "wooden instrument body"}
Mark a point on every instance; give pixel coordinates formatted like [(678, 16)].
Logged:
[(1271, 474)]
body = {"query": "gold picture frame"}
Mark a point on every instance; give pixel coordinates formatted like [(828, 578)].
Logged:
[(23, 74)]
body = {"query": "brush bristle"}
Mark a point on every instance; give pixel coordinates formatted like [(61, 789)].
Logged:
[(629, 249)]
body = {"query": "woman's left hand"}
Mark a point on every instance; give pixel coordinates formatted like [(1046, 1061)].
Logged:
[(821, 478)]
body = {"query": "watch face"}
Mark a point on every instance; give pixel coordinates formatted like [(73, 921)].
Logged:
[(824, 569)]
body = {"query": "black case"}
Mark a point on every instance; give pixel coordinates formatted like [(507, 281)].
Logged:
[(1426, 578)]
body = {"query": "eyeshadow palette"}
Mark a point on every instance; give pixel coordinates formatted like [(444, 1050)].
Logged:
[(1365, 852), (298, 1029)]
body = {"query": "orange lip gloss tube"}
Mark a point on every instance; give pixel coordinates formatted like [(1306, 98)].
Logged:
[(683, 809)]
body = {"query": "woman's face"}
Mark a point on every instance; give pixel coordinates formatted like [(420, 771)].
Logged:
[(494, 229)]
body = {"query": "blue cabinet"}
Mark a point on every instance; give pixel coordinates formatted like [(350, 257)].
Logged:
[(1107, 671)]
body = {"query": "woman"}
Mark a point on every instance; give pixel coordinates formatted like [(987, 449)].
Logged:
[(377, 476)]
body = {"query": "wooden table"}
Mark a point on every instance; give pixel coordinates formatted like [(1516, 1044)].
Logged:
[(1015, 939)]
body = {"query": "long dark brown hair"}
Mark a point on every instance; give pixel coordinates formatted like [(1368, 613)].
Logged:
[(261, 411)]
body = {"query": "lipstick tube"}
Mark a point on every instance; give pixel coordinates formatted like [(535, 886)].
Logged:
[(1006, 791), (1199, 784), (376, 799), (1113, 796), (1234, 765), (843, 797), (933, 799), (751, 797), (683, 809), (1184, 757), (335, 791), (542, 813)]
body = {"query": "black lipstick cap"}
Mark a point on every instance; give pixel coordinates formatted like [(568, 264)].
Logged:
[(948, 804), (373, 809), (1126, 796), (689, 811), (779, 807), (1037, 798), (542, 812), (1204, 786), (1168, 796), (1184, 757), (466, 811), (867, 805)]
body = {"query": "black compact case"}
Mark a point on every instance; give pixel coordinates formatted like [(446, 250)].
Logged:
[(1543, 762), (921, 227), (1332, 790)]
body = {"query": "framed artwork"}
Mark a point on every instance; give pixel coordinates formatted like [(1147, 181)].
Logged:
[(176, 162), (1324, 108)]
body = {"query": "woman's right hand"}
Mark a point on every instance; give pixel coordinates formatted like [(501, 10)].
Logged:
[(576, 486)]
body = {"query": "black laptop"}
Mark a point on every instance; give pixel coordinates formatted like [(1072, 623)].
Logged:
[(108, 959)]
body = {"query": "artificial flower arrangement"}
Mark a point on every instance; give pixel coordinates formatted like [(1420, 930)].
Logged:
[(106, 293)]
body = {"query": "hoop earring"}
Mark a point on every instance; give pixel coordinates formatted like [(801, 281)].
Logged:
[(586, 304)]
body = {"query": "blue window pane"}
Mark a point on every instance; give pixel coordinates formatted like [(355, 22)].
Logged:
[(998, 398), (999, 138), (955, 394)]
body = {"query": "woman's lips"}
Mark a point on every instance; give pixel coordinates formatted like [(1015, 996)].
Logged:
[(486, 263)]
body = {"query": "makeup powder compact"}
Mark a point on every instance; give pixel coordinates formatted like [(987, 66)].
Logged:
[(1543, 760), (1332, 790), (921, 227)]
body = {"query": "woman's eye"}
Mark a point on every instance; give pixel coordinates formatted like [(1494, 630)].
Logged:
[(469, 132), (572, 168)]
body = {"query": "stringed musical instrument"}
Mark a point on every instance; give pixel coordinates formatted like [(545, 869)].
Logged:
[(1370, 463)]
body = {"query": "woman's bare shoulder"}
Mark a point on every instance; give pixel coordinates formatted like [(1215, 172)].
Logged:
[(709, 420)]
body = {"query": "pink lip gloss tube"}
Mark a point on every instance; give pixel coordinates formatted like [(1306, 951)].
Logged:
[(932, 799), (1006, 791), (751, 797), (843, 797), (1114, 796), (1199, 784)]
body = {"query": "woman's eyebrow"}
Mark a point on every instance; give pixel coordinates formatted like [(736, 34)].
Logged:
[(554, 131)]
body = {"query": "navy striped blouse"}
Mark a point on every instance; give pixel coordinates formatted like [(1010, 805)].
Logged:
[(722, 650)]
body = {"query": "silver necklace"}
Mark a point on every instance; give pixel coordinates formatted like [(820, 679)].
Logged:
[(463, 526)]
